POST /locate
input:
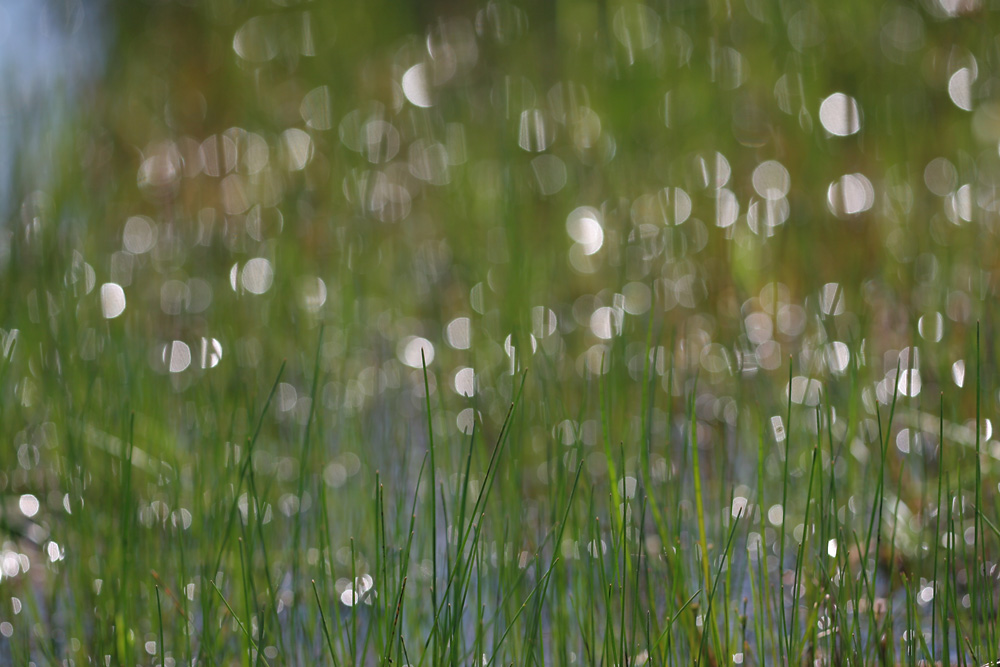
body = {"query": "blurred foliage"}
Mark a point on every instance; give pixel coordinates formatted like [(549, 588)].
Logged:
[(693, 190)]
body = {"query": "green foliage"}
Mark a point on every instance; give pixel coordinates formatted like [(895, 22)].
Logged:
[(571, 333)]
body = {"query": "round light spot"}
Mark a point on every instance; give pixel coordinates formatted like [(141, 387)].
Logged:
[(627, 486), (838, 355), (739, 507), (850, 195), (511, 350), (162, 169), (255, 153), (637, 27), (315, 108), (605, 322), (429, 161), (668, 206), (140, 235), (940, 176), (957, 8), (286, 396), (256, 40), (903, 440), (727, 208), (379, 141), (804, 391), (211, 353), (595, 548), (638, 298), (112, 300), (712, 170), (416, 86), (177, 356), (566, 432), (959, 204), (771, 180), (458, 333), (550, 173), (311, 293), (775, 515), (831, 299), (958, 373), (257, 275), (536, 133), (465, 382), (760, 328), (676, 205), (414, 351), (583, 226), (909, 383), (544, 321), (714, 358), (931, 327), (298, 148), (763, 216), (768, 355), (28, 504), (840, 115), (466, 420), (960, 88)]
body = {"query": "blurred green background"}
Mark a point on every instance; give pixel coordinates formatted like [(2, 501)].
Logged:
[(636, 203)]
